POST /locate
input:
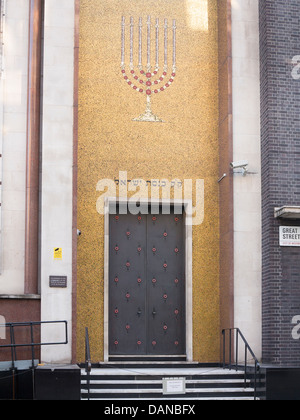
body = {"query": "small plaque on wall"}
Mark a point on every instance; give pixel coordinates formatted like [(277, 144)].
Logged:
[(58, 281)]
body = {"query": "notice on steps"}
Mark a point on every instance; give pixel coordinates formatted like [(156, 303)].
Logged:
[(173, 386)]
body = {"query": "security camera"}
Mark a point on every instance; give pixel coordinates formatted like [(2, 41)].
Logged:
[(240, 165), (78, 232), (243, 166)]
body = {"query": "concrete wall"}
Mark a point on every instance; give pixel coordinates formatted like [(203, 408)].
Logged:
[(247, 189), (13, 110), (57, 180)]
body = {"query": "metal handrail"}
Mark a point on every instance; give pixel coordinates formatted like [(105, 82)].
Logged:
[(231, 364), (13, 345), (88, 362), (32, 344)]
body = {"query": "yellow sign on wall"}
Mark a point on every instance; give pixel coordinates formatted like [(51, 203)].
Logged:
[(57, 253)]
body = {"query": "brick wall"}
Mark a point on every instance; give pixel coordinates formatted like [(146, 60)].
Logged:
[(280, 128)]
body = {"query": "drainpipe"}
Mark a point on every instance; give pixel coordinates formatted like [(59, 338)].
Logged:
[(33, 148)]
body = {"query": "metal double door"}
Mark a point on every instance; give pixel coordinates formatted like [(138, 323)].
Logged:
[(147, 285)]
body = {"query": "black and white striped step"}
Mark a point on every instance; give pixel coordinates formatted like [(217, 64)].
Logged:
[(145, 383)]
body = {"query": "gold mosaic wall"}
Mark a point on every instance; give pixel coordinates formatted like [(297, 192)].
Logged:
[(185, 146)]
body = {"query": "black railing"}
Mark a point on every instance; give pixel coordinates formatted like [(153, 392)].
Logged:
[(88, 362), (32, 343), (11, 326), (232, 348)]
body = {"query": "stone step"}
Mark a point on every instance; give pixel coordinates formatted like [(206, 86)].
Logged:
[(125, 383)]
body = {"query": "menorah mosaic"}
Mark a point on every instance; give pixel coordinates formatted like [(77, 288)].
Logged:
[(149, 79)]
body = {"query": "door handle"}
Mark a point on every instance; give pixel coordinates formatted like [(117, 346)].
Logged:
[(139, 312), (153, 312)]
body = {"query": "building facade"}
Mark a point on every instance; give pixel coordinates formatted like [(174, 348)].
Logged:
[(280, 186), (149, 161)]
